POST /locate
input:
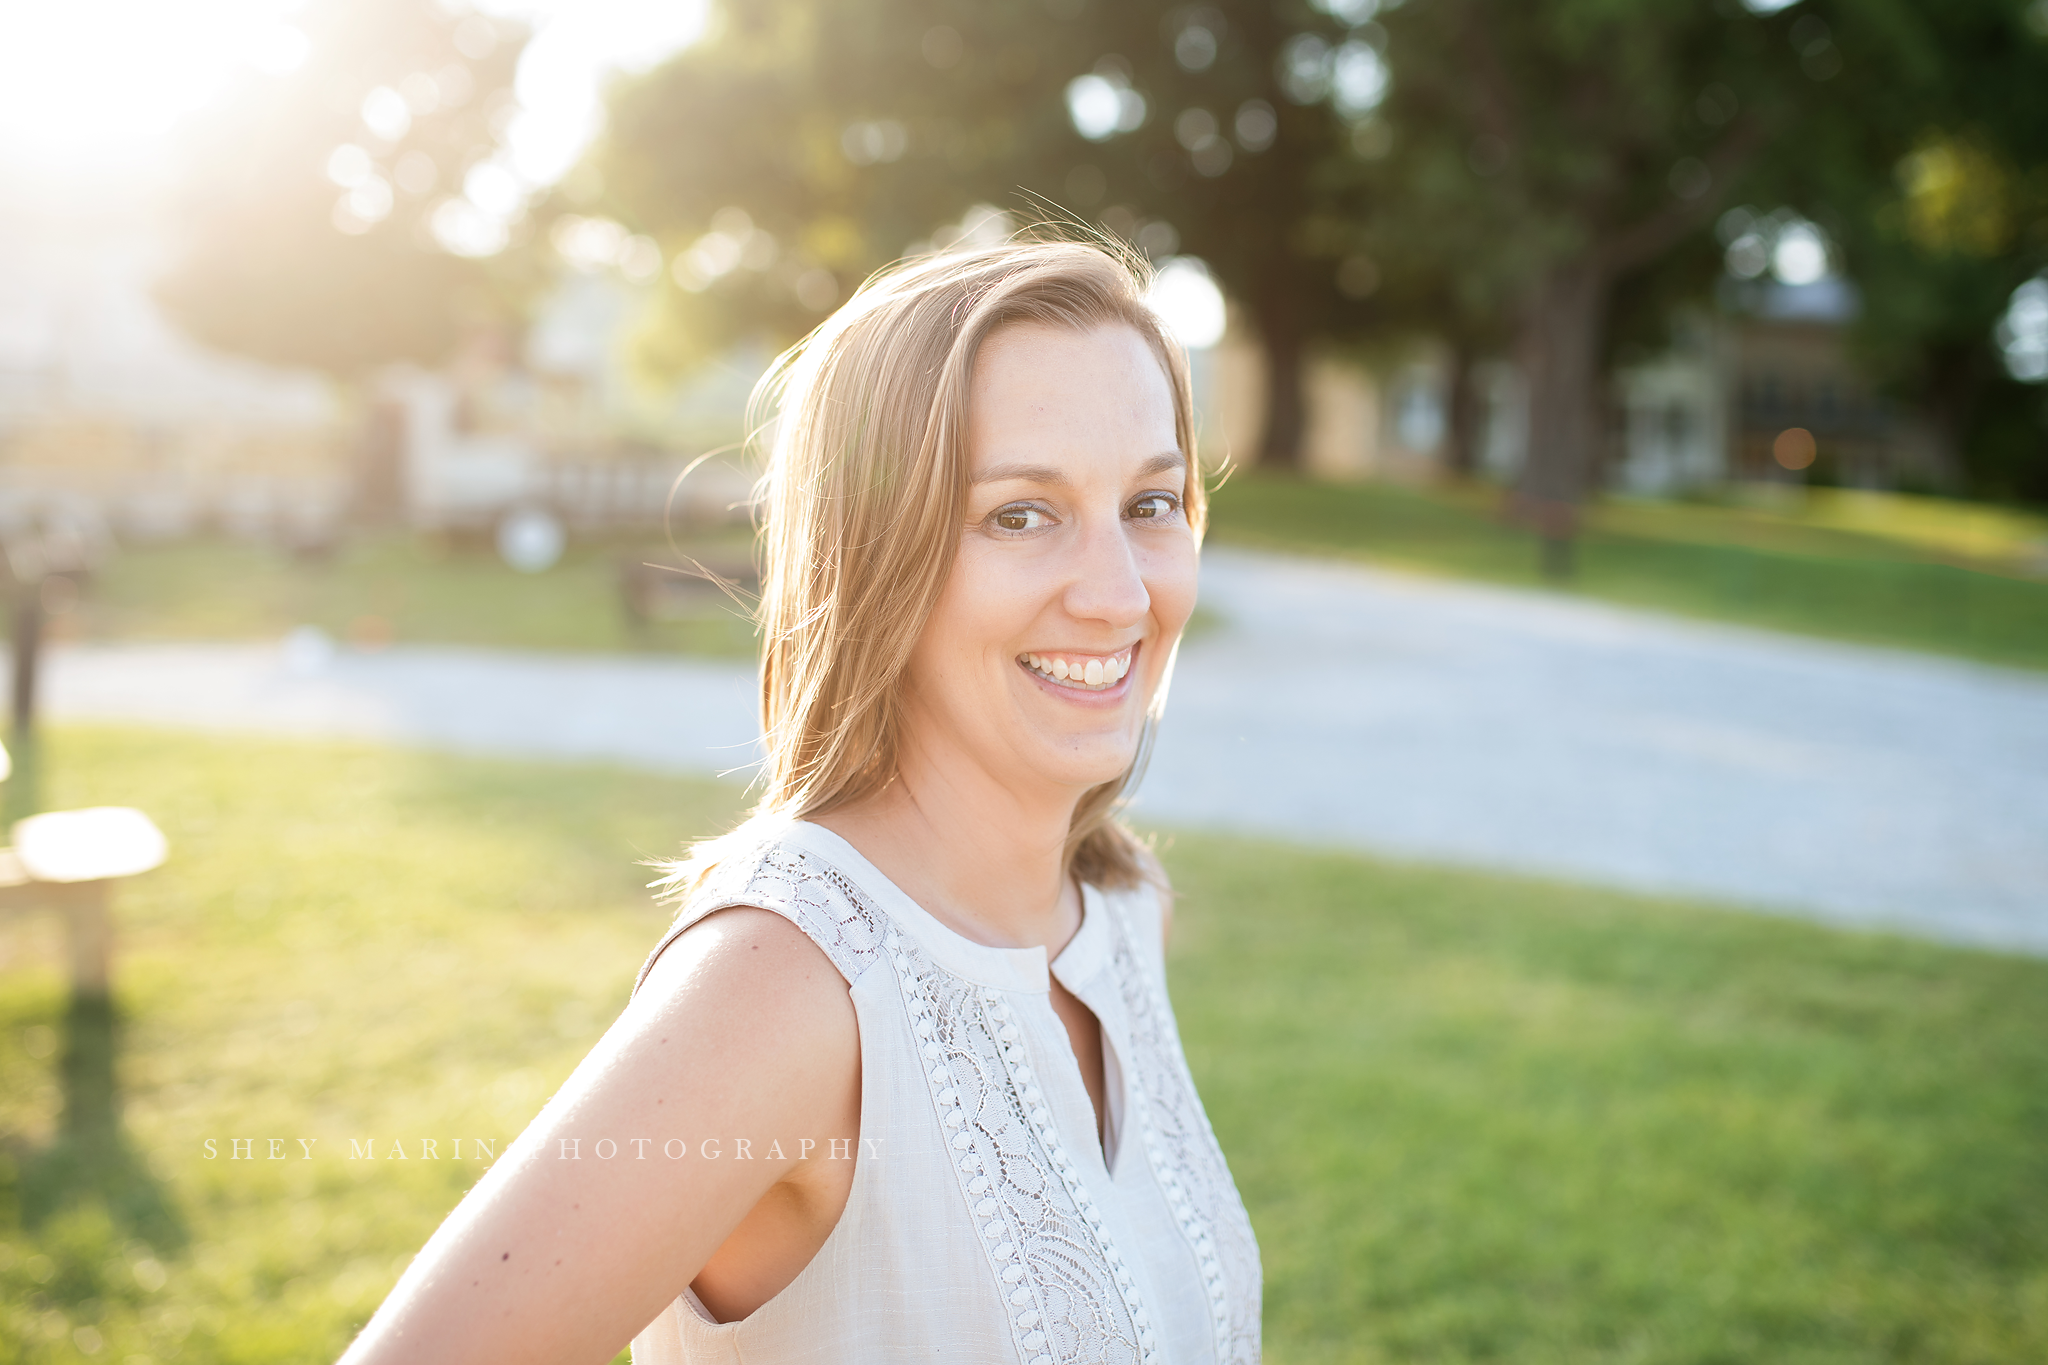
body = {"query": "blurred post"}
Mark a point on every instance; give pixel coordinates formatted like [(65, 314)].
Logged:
[(25, 563), (1556, 524), (89, 938), (27, 649)]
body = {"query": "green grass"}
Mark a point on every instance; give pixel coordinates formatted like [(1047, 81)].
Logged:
[(403, 588), (1911, 573), (1483, 1119), (1475, 1118)]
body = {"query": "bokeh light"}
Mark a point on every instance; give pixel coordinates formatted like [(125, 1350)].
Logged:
[(1102, 104), (1358, 78), (1800, 255), (1188, 302), (2023, 332), (1794, 448), (1794, 250)]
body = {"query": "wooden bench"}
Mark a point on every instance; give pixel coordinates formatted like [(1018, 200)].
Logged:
[(68, 860)]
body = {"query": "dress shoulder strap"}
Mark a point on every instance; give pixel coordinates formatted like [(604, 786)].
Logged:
[(1143, 912), (814, 896)]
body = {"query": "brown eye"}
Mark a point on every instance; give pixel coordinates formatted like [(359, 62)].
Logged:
[(1153, 506), (1021, 517)]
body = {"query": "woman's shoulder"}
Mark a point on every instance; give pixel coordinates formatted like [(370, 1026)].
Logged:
[(744, 961), (768, 866)]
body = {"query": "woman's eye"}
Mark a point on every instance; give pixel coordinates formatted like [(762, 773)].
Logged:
[(1155, 507), (1022, 518)]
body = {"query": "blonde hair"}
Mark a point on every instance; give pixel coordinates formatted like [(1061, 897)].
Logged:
[(861, 510)]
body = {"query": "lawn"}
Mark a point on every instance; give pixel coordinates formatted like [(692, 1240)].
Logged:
[(382, 588), (1918, 573), (1475, 1118)]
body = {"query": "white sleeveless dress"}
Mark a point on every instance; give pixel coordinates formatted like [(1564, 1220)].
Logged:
[(983, 1224)]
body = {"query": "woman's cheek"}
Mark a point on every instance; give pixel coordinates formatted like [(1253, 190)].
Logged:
[(1172, 577)]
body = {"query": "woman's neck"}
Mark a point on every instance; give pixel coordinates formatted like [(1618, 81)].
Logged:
[(985, 859)]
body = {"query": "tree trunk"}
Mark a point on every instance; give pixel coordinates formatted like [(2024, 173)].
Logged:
[(1286, 418), (378, 495), (1461, 411), (1560, 349), (1959, 380)]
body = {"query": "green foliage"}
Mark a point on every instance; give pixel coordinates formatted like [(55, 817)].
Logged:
[(1474, 1118), (1920, 149), (1535, 134), (1823, 568), (1541, 177), (849, 133), (264, 266), (765, 116)]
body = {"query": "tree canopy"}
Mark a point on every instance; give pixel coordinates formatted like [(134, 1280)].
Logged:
[(806, 143), (318, 221), (1509, 177)]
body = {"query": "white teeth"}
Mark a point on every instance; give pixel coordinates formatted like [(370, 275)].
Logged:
[(1096, 672)]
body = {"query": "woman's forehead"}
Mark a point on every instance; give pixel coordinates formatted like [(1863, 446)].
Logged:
[(1051, 389)]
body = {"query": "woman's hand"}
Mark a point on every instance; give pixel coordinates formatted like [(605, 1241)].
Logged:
[(743, 1033)]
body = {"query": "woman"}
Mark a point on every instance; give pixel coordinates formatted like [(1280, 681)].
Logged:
[(902, 1082)]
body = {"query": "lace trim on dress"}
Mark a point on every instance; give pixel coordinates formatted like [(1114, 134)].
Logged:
[(1070, 1296), (1185, 1157), (821, 901)]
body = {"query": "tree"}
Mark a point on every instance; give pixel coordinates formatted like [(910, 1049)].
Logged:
[(1948, 218), (806, 143), (1251, 157), (315, 218), (1569, 146), (1563, 161)]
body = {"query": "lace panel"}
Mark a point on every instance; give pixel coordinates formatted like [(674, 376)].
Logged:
[(1069, 1295), (1185, 1157), (819, 899)]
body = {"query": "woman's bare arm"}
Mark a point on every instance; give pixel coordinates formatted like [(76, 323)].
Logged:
[(744, 1030)]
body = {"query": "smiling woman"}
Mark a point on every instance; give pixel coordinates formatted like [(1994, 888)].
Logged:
[(917, 1001)]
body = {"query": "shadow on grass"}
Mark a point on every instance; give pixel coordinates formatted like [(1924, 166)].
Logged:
[(90, 1161)]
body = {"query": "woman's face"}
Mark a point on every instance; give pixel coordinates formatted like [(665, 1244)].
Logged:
[(1076, 568)]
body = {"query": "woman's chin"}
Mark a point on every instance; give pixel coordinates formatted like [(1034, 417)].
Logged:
[(1090, 767)]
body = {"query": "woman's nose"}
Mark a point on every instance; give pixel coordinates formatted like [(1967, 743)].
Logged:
[(1107, 582)]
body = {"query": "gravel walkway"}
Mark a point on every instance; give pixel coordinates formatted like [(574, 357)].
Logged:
[(1345, 705), (1538, 733)]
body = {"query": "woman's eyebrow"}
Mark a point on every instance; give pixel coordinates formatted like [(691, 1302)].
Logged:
[(1047, 474), (1022, 473), (1162, 463)]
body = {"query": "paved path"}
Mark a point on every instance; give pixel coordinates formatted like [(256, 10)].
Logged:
[(1345, 705)]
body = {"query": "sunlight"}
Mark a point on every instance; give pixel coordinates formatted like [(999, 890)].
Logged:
[(95, 85), (575, 48), (92, 87)]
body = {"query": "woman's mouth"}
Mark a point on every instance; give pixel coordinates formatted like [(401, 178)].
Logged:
[(1085, 672)]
